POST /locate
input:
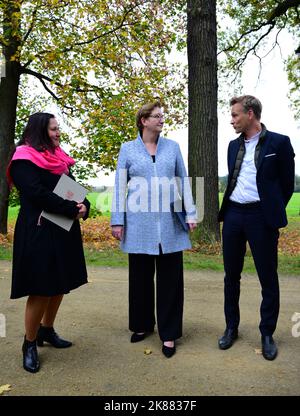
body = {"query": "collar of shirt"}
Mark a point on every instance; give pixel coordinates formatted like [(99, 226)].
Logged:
[(253, 138)]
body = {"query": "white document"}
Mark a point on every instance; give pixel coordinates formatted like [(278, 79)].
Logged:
[(67, 189)]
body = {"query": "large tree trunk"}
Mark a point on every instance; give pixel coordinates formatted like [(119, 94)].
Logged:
[(9, 85), (203, 121)]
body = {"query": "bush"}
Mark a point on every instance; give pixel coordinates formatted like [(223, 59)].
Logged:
[(14, 197)]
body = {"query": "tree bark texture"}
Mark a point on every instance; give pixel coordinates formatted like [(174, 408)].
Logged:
[(203, 121), (9, 85)]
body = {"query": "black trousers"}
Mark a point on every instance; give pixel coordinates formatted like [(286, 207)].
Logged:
[(242, 223), (169, 294)]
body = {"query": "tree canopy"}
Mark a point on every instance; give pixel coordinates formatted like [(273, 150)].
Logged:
[(98, 60), (252, 23)]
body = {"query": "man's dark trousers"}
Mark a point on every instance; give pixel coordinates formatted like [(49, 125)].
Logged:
[(242, 223)]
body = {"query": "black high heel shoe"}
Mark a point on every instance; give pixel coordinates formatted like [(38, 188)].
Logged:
[(135, 337), (31, 361), (168, 351), (47, 334)]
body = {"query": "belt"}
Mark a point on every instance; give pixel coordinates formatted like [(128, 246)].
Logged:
[(247, 205)]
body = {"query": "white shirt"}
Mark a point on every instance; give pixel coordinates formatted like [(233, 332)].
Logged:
[(245, 190)]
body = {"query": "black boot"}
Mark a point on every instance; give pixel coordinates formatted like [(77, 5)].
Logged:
[(48, 334), (30, 356)]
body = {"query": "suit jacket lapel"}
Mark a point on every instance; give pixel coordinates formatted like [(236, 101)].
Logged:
[(263, 150)]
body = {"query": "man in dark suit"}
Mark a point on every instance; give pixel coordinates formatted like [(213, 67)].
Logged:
[(260, 184)]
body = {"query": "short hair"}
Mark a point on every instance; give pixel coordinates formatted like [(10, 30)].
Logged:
[(144, 112), (249, 103), (36, 132)]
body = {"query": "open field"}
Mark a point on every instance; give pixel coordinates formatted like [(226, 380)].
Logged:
[(101, 249)]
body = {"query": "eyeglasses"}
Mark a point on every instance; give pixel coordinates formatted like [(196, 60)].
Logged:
[(158, 116)]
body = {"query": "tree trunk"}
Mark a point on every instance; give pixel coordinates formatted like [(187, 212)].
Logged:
[(9, 85), (203, 121)]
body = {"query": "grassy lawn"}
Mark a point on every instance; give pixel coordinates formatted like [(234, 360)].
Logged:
[(110, 257), (287, 265), (293, 208), (102, 202), (12, 213)]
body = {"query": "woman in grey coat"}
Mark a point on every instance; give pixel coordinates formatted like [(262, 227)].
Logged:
[(150, 176)]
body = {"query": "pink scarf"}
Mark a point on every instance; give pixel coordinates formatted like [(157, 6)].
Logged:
[(57, 162)]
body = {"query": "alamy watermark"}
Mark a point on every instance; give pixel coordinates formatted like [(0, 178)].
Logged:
[(160, 194), (2, 326), (296, 327)]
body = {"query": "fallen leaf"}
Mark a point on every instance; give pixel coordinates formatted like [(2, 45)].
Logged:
[(5, 387), (147, 351), (257, 351)]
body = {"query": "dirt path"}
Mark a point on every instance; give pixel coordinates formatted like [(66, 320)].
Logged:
[(102, 361)]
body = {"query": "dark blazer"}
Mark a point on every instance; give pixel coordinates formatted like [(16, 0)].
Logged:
[(275, 176)]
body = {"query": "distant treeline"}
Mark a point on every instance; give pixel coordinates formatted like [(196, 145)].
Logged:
[(103, 188)]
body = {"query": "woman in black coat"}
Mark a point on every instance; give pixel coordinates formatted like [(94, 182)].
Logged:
[(48, 261)]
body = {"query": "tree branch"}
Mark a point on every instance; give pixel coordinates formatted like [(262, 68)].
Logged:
[(109, 32), (279, 11), (253, 48), (31, 25), (42, 78), (38, 75), (48, 89), (245, 34), (70, 48), (282, 8)]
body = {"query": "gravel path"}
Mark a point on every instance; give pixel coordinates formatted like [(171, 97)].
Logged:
[(102, 361)]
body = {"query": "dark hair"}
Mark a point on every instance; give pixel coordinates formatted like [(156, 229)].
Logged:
[(36, 132), (144, 112), (249, 103)]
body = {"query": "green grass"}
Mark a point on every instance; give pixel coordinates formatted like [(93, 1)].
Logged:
[(102, 202), (5, 253), (192, 261), (293, 208), (287, 265), (13, 213)]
